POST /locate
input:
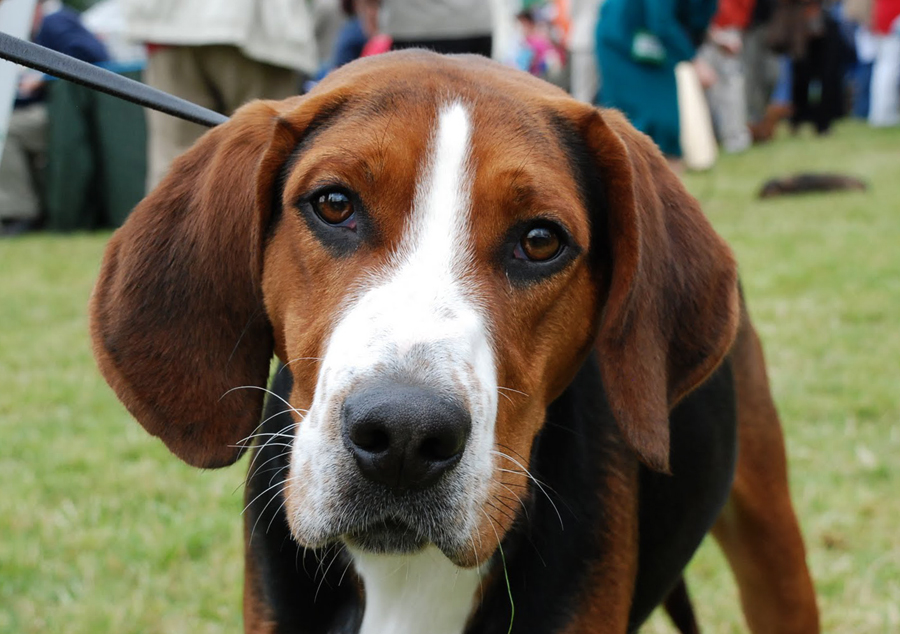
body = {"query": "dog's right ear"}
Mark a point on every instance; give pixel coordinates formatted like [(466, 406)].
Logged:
[(177, 320), (672, 309)]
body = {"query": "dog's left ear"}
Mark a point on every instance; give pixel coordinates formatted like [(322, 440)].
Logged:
[(177, 317), (671, 313)]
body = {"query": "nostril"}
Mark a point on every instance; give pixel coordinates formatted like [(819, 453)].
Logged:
[(440, 448), (371, 437)]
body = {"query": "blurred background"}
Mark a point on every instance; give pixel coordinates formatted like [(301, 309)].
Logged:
[(781, 116)]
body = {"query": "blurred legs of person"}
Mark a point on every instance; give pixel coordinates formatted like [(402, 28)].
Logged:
[(761, 69), (217, 77), (779, 106), (21, 169), (866, 49), (727, 97), (822, 65), (884, 104)]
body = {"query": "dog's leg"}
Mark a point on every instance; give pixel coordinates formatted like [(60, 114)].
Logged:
[(680, 610), (758, 530), (605, 605), (257, 614)]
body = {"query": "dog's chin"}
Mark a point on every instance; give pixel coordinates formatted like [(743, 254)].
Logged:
[(389, 537), (393, 537)]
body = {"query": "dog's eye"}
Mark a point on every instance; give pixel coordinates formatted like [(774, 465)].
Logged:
[(539, 244), (335, 208), (535, 250)]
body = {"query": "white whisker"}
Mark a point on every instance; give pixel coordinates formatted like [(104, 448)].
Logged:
[(259, 495), (263, 511), (264, 389), (512, 604), (533, 479), (337, 553), (265, 444), (299, 359), (275, 514), (260, 466), (509, 389)]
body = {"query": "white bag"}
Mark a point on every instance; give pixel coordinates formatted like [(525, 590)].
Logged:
[(698, 141)]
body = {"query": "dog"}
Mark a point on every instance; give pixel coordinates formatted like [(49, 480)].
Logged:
[(810, 183), (519, 383)]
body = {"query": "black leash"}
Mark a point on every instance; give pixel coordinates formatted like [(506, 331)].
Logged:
[(59, 65)]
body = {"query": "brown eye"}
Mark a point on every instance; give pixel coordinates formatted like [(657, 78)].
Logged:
[(333, 207), (539, 245)]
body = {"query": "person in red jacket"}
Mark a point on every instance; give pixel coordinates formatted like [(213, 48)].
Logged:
[(884, 108)]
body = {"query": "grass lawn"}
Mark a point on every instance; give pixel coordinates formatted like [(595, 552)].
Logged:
[(102, 530)]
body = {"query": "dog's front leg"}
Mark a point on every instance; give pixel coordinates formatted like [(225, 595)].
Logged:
[(606, 603)]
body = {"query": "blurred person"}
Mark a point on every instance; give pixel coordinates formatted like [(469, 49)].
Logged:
[(639, 42), (537, 54), (780, 106), (884, 102), (818, 90), (761, 70), (328, 18), (859, 14), (804, 30), (351, 39), (727, 96), (787, 35), (106, 20), (584, 71), (24, 153), (219, 55), (444, 26)]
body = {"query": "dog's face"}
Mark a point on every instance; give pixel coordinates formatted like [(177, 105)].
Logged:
[(431, 234), (433, 246)]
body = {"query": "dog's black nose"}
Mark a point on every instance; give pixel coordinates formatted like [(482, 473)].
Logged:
[(404, 436)]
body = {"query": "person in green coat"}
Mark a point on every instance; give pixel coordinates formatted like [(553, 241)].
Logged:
[(638, 44)]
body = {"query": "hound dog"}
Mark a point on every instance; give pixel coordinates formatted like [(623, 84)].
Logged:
[(519, 383)]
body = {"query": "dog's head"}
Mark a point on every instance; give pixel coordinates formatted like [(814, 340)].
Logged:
[(433, 246)]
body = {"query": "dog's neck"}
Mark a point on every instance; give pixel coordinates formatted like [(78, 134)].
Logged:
[(412, 594)]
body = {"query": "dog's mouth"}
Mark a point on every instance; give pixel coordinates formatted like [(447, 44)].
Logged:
[(388, 536)]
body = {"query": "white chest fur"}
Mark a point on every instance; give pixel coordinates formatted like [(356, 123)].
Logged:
[(424, 593)]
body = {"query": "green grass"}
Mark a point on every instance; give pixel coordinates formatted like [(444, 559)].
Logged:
[(102, 530)]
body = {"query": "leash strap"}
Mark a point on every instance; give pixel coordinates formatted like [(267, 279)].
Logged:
[(59, 65)]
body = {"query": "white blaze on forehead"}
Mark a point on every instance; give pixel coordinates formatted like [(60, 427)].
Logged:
[(428, 297), (421, 296), (438, 231)]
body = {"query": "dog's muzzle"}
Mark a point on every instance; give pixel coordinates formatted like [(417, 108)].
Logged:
[(404, 440)]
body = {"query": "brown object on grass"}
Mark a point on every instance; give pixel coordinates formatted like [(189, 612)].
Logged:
[(809, 183), (765, 130)]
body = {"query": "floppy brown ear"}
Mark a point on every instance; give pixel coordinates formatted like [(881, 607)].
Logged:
[(672, 310), (177, 318)]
